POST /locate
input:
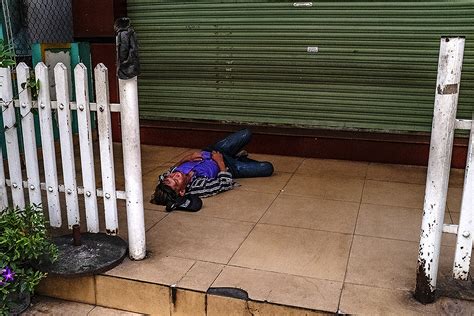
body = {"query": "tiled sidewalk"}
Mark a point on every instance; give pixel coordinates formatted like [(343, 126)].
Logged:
[(325, 235)]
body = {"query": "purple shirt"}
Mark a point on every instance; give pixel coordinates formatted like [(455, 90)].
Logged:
[(206, 167)]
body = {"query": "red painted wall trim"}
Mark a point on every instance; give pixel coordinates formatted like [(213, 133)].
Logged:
[(412, 149)]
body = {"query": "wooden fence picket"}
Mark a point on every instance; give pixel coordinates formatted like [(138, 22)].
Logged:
[(67, 148), (106, 148), (29, 137), (47, 143), (11, 137), (85, 141)]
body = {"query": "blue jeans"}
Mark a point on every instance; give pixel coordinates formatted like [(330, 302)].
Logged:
[(241, 167)]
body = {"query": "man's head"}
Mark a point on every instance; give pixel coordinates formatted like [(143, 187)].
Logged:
[(177, 181), (163, 195), (170, 188)]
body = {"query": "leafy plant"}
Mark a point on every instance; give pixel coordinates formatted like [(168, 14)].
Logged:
[(24, 244), (6, 55), (33, 84)]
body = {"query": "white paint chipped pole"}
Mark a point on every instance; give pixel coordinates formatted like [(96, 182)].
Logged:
[(442, 133), (132, 167), (462, 256)]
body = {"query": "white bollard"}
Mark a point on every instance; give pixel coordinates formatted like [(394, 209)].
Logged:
[(462, 256), (132, 167), (442, 133)]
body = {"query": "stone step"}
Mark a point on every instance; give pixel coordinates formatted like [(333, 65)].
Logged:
[(156, 299)]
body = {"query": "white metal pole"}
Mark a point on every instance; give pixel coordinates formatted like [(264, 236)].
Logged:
[(462, 257), (442, 133), (132, 167)]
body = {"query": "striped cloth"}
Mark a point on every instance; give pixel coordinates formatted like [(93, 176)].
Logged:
[(204, 187)]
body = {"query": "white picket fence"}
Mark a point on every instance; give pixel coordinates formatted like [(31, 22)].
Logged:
[(128, 108), (439, 164)]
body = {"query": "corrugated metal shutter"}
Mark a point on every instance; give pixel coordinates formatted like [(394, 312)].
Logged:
[(252, 61)]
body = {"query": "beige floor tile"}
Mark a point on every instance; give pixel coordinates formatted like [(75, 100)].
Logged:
[(394, 193), (332, 188), (280, 163), (382, 263), (397, 173), (42, 305), (196, 237), (295, 251), (282, 288), (238, 205), (454, 199), (333, 168), (364, 300), (391, 222), (456, 178), (135, 296), (161, 154), (272, 184), (313, 213), (152, 157), (151, 219), (153, 269), (263, 308), (257, 283), (388, 263), (156, 157), (200, 276), (455, 217)]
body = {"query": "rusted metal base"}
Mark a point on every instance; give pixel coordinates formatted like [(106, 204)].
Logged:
[(97, 253), (423, 292)]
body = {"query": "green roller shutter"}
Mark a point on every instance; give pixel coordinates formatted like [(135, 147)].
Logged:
[(325, 64)]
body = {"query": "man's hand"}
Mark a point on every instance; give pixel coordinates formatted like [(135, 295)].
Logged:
[(196, 156), (219, 159)]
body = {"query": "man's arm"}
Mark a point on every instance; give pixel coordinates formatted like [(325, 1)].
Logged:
[(219, 159), (206, 187), (195, 156)]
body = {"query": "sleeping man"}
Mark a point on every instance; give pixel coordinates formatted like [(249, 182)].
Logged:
[(208, 172)]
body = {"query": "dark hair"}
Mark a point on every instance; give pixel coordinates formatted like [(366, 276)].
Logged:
[(163, 195)]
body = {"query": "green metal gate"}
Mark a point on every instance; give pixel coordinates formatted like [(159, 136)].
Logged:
[(329, 64)]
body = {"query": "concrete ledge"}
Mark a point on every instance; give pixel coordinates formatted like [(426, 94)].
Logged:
[(80, 289), (156, 299)]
